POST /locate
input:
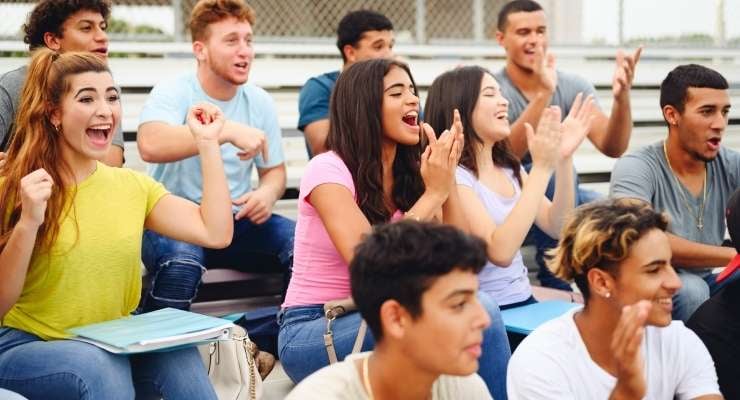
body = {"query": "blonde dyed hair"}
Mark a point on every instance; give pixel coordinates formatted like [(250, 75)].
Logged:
[(207, 12), (36, 143), (600, 235)]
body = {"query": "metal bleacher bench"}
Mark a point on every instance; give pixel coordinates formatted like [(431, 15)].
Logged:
[(282, 69)]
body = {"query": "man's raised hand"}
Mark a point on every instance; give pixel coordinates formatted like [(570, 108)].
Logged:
[(624, 73)]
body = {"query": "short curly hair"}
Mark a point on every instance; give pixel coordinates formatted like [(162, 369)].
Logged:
[(600, 235), (50, 15)]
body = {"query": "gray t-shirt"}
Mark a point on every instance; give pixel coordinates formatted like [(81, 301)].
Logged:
[(342, 381), (645, 174), (11, 84), (568, 87)]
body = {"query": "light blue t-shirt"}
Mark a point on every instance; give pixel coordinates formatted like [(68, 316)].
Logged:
[(506, 285), (169, 102)]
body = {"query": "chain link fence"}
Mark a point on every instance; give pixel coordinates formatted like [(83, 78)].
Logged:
[(415, 21)]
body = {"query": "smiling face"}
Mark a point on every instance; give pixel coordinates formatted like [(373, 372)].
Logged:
[(84, 30), (88, 115), (400, 109), (451, 323), (227, 51), (647, 274), (701, 125), (490, 117), (524, 34)]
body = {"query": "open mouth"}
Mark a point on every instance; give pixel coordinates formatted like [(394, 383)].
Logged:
[(242, 65), (102, 51), (502, 116), (99, 134), (714, 142), (411, 119)]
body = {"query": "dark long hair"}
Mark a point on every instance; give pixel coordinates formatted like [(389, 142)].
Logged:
[(460, 88), (355, 135)]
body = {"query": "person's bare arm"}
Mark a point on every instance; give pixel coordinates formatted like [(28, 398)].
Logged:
[(208, 224), (160, 142), (688, 254), (611, 135), (35, 190), (316, 133)]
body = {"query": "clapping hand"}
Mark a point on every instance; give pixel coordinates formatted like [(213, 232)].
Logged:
[(626, 346), (439, 159), (576, 125), (544, 146), (624, 73), (205, 121), (544, 69)]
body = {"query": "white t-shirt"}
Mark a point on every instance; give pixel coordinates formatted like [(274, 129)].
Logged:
[(342, 381), (553, 363)]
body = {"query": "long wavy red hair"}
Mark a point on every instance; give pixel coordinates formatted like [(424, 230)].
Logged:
[(36, 143)]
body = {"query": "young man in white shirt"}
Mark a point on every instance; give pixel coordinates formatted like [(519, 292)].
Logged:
[(622, 344)]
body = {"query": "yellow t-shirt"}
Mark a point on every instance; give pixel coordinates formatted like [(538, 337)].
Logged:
[(92, 273)]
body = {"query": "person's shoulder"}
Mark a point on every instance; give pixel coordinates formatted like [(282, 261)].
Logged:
[(256, 95), (183, 82), (332, 382), (14, 76), (571, 78), (647, 155), (326, 159), (554, 336), (321, 83)]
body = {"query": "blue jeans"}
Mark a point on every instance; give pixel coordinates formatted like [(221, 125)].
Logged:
[(544, 242), (69, 369), (176, 267), (302, 352), (695, 290)]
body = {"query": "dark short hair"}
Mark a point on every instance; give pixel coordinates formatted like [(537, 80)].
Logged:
[(50, 15), (356, 23), (402, 260), (674, 89), (515, 7)]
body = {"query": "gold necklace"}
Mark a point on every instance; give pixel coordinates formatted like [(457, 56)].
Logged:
[(700, 218), (366, 378)]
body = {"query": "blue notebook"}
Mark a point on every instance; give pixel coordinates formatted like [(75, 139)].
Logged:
[(526, 318), (157, 330)]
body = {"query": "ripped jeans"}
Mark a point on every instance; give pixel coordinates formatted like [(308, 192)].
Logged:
[(176, 267)]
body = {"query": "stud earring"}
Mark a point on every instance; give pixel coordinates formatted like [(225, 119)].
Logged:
[(607, 295)]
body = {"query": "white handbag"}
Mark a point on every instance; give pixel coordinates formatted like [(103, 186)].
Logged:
[(232, 368)]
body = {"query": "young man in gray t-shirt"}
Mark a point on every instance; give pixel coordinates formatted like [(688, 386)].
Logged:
[(62, 26), (689, 176), (530, 82)]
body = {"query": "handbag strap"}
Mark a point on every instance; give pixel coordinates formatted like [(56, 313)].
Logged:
[(329, 338)]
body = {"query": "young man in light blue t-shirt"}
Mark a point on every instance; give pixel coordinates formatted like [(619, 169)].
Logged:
[(361, 35), (262, 242)]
